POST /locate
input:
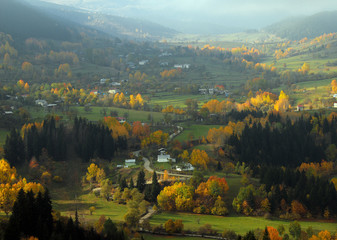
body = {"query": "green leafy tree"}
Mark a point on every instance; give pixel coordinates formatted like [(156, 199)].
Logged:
[(295, 230)]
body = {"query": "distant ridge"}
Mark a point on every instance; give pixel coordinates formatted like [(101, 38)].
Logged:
[(23, 21), (311, 27), (109, 24)]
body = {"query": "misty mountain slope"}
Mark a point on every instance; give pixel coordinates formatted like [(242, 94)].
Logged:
[(299, 28), (109, 24), (23, 21)]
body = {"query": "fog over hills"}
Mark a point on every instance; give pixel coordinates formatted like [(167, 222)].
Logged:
[(206, 16)]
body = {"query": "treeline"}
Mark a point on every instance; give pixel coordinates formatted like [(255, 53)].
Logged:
[(35, 137), (315, 195), (285, 144), (32, 218), (95, 140), (87, 139)]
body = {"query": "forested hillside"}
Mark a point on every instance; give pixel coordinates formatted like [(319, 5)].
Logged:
[(310, 27)]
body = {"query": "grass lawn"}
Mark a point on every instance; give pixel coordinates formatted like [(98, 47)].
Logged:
[(167, 98), (96, 114), (239, 224), (3, 135), (109, 209), (155, 237), (195, 131)]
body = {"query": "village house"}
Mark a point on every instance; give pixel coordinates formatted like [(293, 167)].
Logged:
[(42, 103), (104, 80), (143, 62), (164, 158), (121, 120), (185, 167), (130, 163), (113, 91), (300, 108), (115, 84)]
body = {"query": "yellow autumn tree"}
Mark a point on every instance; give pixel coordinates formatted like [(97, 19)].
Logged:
[(199, 158), (282, 104), (334, 86), (305, 68), (10, 185)]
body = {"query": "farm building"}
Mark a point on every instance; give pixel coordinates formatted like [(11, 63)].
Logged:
[(165, 158), (130, 162), (300, 108)]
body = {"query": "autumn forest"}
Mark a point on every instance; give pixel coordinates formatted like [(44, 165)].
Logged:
[(116, 127)]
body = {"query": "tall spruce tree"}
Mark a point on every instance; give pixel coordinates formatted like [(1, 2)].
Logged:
[(141, 181), (155, 188)]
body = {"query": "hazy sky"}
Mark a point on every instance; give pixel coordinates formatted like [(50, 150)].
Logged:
[(230, 13)]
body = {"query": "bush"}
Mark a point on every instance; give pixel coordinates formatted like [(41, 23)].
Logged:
[(176, 226), (57, 179), (229, 234), (206, 230)]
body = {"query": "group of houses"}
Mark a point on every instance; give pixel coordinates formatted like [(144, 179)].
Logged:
[(163, 157)]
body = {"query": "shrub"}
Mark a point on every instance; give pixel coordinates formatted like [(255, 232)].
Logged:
[(57, 179), (229, 234), (206, 230)]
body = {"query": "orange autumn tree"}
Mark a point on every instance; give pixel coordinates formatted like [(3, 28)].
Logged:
[(158, 138), (317, 169), (322, 235), (214, 187), (139, 130), (117, 130), (273, 233)]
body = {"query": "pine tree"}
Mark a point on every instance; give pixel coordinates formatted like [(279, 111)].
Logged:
[(141, 181), (155, 188), (132, 185)]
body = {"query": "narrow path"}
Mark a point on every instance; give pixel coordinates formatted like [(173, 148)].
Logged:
[(148, 215)]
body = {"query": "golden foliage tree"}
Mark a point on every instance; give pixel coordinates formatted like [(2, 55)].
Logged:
[(199, 158)]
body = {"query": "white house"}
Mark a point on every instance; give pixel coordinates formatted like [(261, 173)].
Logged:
[(40, 102), (186, 167), (143, 62), (335, 105), (113, 91), (130, 162), (300, 108), (103, 80), (115, 84), (165, 158)]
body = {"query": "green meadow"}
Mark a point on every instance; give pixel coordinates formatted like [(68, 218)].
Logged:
[(240, 224)]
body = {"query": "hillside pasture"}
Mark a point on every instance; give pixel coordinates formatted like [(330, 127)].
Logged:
[(96, 113), (3, 136), (240, 224), (195, 131)]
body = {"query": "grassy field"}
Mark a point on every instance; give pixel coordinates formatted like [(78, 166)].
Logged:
[(156, 237), (166, 99), (195, 131), (239, 224), (3, 135), (110, 210), (96, 114)]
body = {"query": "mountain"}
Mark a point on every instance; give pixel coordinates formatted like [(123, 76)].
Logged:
[(301, 27), (109, 24), (23, 21)]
